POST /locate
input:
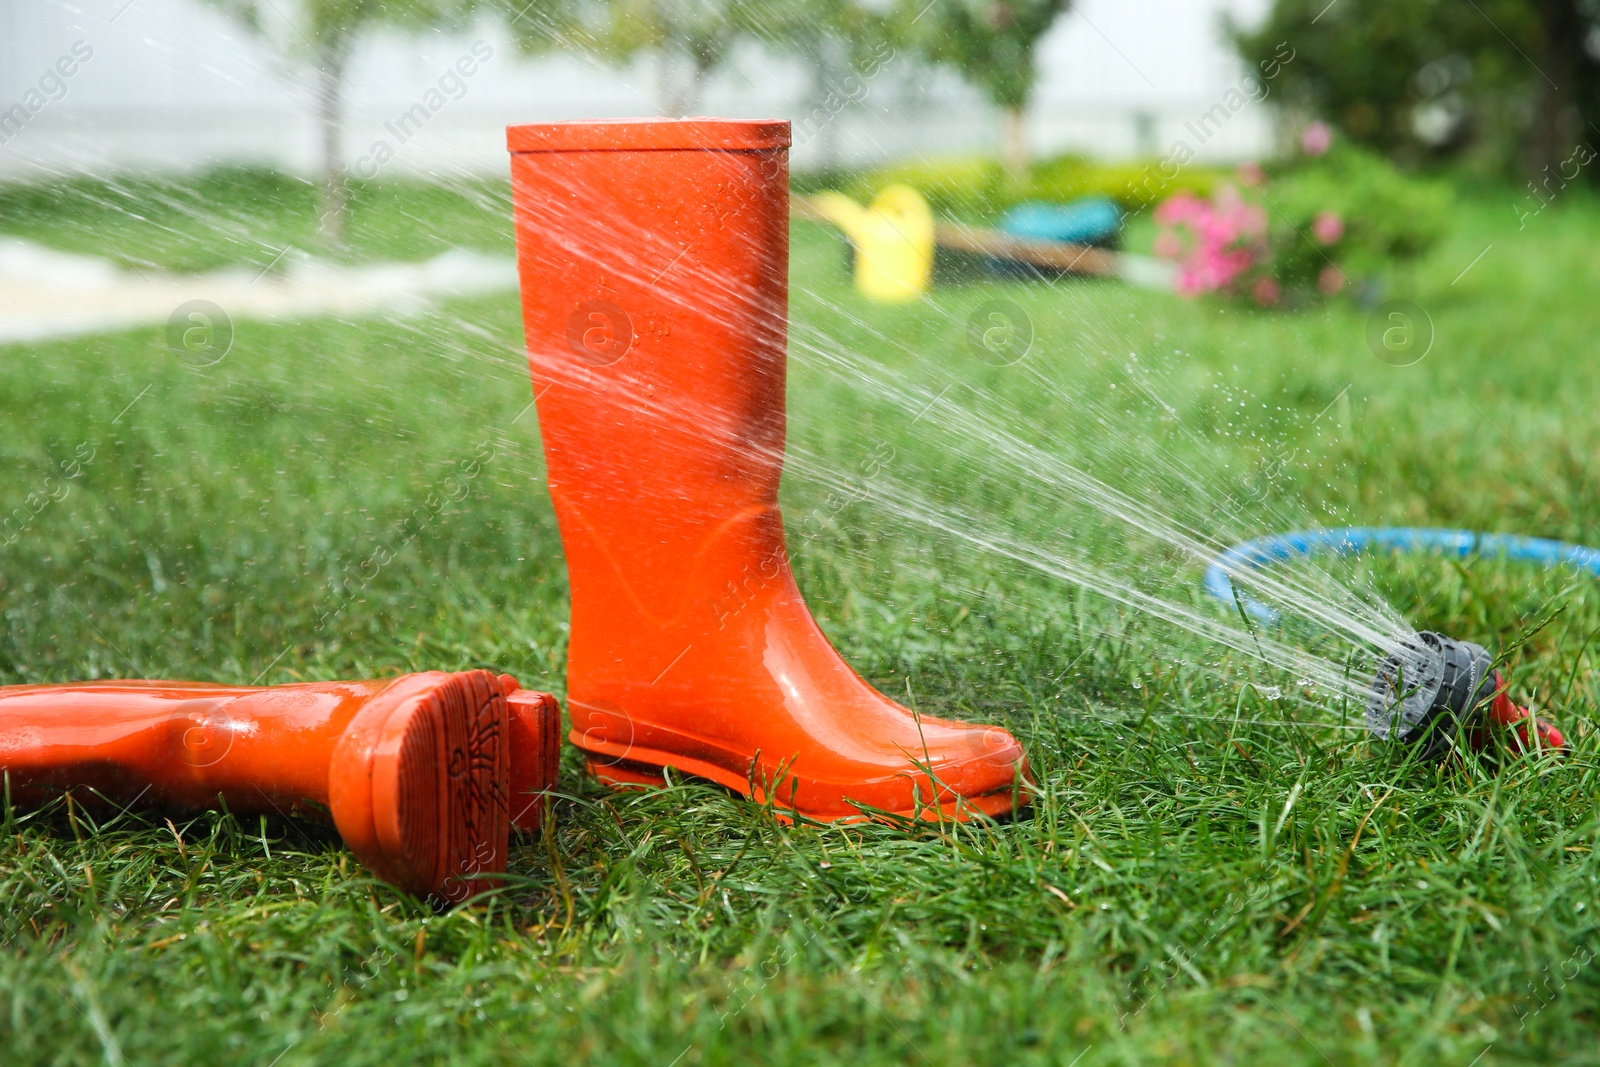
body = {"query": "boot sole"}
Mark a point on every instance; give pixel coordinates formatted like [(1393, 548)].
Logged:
[(633, 774), (437, 763)]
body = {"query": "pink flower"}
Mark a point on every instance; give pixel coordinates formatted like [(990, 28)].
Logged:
[(1181, 207), (1316, 139), (1213, 242), (1327, 227), (1265, 290), (1188, 283), (1252, 174), (1331, 280)]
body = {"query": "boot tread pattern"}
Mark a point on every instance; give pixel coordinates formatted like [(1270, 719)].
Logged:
[(454, 763)]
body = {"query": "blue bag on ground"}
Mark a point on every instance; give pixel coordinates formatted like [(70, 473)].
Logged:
[(1094, 220)]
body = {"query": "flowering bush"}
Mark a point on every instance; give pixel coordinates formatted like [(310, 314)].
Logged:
[(1213, 241), (1302, 227)]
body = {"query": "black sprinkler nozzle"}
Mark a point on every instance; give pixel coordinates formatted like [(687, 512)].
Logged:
[(1430, 690)]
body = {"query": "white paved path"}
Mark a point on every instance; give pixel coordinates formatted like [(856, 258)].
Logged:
[(45, 293)]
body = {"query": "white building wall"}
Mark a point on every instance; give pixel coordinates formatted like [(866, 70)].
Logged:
[(175, 84)]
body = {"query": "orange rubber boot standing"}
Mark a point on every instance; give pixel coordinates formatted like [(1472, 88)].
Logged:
[(654, 267), (422, 774)]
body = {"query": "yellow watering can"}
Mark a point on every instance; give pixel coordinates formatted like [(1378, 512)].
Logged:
[(893, 240)]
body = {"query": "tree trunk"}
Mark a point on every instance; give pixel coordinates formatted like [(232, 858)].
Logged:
[(330, 115), (672, 95), (1014, 141), (686, 62), (1555, 129), (826, 99), (697, 85), (681, 80)]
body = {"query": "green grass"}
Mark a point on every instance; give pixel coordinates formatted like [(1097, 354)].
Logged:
[(247, 217), (1204, 875)]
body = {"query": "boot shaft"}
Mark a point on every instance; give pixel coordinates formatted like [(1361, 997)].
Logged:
[(654, 267), (260, 748)]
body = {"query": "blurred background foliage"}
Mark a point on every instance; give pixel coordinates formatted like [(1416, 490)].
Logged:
[(1507, 86), (1499, 88)]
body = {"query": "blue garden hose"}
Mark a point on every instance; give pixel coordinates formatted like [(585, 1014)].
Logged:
[(1350, 540)]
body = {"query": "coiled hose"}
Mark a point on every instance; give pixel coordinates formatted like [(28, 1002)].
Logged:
[(1351, 540)]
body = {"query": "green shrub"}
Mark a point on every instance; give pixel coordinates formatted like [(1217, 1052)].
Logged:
[(1134, 185), (978, 189), (1387, 215), (965, 187)]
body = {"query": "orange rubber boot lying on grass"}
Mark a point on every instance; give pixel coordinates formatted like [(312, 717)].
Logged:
[(654, 265), (422, 774)]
